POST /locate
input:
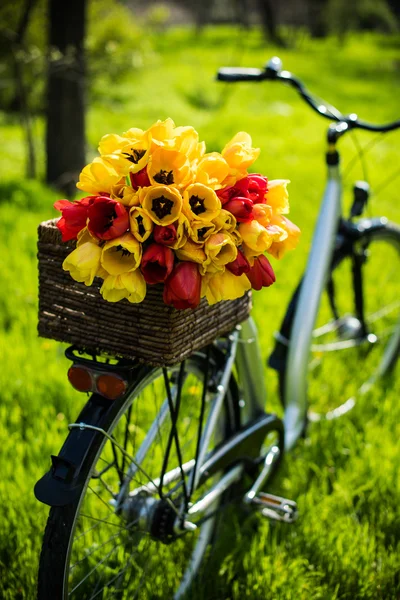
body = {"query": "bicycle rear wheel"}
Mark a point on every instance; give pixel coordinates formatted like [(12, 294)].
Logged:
[(90, 550), (345, 360)]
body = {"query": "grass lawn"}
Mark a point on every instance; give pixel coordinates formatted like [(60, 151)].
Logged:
[(345, 474)]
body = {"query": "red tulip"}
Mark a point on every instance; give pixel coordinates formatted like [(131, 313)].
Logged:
[(253, 187), (261, 273), (74, 216), (240, 265), (241, 208), (226, 194), (108, 219), (182, 288), (257, 188), (140, 179), (165, 235), (157, 263)]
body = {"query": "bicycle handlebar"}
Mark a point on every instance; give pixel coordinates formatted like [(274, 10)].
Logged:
[(273, 72)]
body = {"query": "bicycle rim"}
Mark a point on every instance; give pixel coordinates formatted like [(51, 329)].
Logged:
[(345, 363), (109, 555)]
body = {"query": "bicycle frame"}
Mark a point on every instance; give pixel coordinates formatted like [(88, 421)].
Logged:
[(314, 281), (317, 269), (61, 485)]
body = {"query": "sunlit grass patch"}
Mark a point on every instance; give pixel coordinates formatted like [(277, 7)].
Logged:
[(344, 474)]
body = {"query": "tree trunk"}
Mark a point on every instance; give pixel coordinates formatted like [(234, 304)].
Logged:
[(269, 21), (65, 135), (317, 19), (242, 12), (203, 10)]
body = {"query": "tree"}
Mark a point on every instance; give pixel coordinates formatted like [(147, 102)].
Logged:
[(267, 11), (317, 18), (65, 134)]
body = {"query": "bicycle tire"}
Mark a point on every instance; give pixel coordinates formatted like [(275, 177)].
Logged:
[(333, 386), (123, 576)]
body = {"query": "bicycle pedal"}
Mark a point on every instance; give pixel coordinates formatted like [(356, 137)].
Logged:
[(275, 507)]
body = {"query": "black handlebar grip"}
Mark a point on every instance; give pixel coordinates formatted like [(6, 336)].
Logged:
[(240, 74)]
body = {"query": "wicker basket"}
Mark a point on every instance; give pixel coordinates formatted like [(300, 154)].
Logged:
[(150, 331)]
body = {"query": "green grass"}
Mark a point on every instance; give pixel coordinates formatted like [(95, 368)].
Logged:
[(344, 475)]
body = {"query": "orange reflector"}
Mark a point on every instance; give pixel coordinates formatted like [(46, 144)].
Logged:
[(110, 386), (80, 378)]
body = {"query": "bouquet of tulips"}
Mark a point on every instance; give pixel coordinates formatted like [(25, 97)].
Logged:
[(162, 210)]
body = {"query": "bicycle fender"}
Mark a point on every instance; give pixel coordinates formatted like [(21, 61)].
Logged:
[(62, 484)]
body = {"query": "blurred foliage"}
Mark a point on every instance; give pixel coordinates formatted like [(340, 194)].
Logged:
[(115, 44), (157, 17), (30, 54), (26, 194), (118, 43), (365, 15)]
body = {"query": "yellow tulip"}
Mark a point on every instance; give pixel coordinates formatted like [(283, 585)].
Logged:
[(224, 286), (141, 225), (210, 268), (162, 204), (201, 230), (134, 133), (182, 139), (83, 263), (220, 250), (182, 232), (255, 236), (236, 237), (225, 220), (186, 140), (125, 194), (132, 150), (278, 248), (277, 195), (239, 153), (113, 290), (100, 175), (85, 236), (262, 213), (131, 286), (249, 253), (212, 169), (110, 143), (161, 133), (121, 255), (192, 252), (136, 286), (169, 167), (201, 203)]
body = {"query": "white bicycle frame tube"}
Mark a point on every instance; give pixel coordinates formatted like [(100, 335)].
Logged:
[(313, 284)]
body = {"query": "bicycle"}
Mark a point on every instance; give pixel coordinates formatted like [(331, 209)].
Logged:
[(157, 454)]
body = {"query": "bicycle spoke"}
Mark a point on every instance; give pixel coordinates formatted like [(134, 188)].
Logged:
[(102, 521), (94, 569), (174, 410), (145, 466)]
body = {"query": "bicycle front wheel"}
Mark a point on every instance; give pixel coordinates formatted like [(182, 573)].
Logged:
[(92, 549), (346, 358)]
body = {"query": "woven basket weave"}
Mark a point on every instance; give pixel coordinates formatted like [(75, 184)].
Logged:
[(150, 331)]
